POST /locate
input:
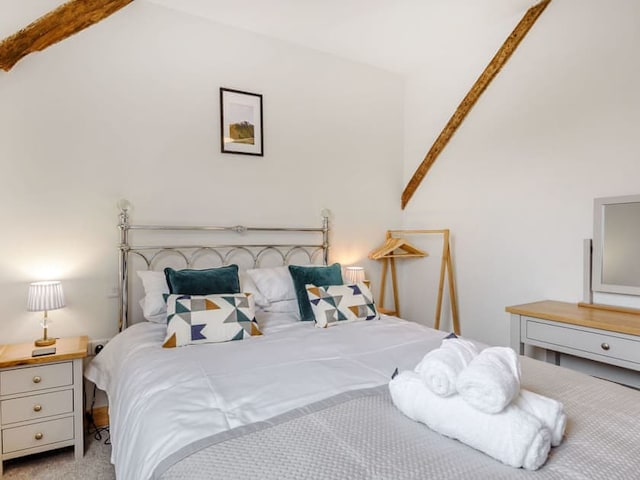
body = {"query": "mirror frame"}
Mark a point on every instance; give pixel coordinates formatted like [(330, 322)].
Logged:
[(597, 284)]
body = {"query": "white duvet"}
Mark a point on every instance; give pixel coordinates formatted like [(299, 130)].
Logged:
[(163, 399)]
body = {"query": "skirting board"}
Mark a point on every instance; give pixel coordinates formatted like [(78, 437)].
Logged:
[(101, 416)]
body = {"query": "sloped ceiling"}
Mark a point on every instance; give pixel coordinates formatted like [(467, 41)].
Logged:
[(396, 35), (17, 14), (56, 25)]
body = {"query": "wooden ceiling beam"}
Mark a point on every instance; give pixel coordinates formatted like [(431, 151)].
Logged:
[(60, 23), (496, 64)]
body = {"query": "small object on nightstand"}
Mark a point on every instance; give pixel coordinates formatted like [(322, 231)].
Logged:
[(38, 352), (45, 296), (354, 274)]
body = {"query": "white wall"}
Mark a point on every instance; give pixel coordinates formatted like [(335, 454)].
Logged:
[(556, 128), (129, 108)]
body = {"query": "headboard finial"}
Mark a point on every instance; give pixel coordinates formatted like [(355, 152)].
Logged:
[(124, 205)]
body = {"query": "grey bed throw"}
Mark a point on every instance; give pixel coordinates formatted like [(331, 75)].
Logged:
[(361, 435)]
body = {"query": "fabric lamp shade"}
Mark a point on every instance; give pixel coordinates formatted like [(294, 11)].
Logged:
[(45, 296), (354, 274)]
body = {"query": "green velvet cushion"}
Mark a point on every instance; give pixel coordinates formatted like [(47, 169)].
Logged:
[(203, 282), (319, 276)]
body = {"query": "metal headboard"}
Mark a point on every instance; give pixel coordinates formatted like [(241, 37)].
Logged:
[(223, 252)]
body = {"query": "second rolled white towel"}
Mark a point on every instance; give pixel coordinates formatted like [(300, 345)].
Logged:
[(513, 436), (491, 380), (549, 411), (440, 367)]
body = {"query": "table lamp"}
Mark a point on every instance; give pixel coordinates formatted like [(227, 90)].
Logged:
[(354, 275), (45, 296)]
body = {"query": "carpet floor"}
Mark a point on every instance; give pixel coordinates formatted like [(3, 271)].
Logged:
[(60, 464)]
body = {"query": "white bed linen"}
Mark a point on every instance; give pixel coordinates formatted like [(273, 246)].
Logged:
[(162, 399)]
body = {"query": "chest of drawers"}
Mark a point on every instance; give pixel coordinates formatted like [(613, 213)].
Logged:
[(41, 404), (610, 338)]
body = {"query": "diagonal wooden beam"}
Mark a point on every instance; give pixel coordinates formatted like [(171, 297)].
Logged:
[(497, 62), (58, 24)]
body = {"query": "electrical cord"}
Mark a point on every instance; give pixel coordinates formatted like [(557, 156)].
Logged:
[(93, 429)]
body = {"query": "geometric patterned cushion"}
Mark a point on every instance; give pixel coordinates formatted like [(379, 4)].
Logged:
[(193, 319), (341, 303), (303, 275)]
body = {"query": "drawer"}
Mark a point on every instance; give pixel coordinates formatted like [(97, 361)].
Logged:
[(37, 434), (36, 406), (583, 340), (31, 379)]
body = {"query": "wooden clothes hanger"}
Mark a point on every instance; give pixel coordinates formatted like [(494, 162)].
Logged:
[(399, 248)]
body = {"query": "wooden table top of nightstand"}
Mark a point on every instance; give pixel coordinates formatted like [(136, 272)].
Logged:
[(67, 348)]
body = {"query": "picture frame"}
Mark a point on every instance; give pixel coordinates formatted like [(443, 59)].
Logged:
[(241, 128)]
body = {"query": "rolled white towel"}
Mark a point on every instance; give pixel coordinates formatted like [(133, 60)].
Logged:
[(549, 411), (513, 436), (440, 367), (492, 379)]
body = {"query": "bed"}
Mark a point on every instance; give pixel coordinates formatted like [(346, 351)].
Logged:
[(306, 402)]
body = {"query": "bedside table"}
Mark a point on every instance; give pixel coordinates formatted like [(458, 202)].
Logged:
[(41, 404)]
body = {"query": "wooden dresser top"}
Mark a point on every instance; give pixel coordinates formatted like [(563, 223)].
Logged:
[(585, 316)]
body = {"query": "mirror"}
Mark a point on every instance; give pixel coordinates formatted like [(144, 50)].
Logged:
[(616, 245)]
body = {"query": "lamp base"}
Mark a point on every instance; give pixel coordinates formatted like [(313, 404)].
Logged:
[(44, 342)]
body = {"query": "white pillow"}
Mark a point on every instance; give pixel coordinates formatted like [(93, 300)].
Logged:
[(248, 286), (154, 307), (284, 306), (274, 283)]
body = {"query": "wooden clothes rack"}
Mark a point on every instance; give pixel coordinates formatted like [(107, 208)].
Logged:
[(400, 248)]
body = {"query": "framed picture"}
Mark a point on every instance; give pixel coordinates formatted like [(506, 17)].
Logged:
[(241, 128)]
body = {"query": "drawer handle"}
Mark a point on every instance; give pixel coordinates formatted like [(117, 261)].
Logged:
[(37, 408), (38, 436), (605, 346), (37, 379)]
